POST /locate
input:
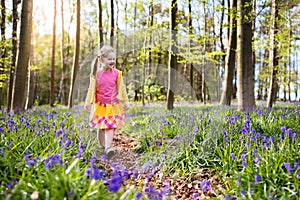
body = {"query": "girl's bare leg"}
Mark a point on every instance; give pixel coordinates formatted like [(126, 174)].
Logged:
[(109, 136), (101, 137)]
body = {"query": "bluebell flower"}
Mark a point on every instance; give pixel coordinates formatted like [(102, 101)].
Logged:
[(80, 151), (2, 151), (257, 179), (51, 161), (294, 136), (138, 196), (287, 167), (58, 133), (205, 185), (134, 173), (242, 192), (88, 172), (98, 174), (243, 156), (9, 185), (227, 197), (115, 183), (103, 158), (195, 195), (250, 190), (232, 156), (238, 181), (68, 143), (296, 165)]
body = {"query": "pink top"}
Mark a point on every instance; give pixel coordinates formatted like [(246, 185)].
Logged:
[(106, 87)]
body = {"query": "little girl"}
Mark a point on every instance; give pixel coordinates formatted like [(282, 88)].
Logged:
[(106, 98)]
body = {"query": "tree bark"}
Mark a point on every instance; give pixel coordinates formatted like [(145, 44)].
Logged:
[(230, 59), (76, 55), (15, 19), (53, 57), (172, 68), (100, 25), (112, 24), (3, 50), (273, 59), (63, 94), (18, 95), (244, 56)]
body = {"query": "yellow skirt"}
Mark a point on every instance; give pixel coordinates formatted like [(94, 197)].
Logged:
[(107, 116)]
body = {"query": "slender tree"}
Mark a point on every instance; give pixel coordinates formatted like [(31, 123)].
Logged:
[(172, 68), (76, 55), (15, 18), (100, 25), (230, 58), (244, 56), (3, 50), (53, 57), (190, 30), (112, 22), (273, 59), (19, 93), (63, 96)]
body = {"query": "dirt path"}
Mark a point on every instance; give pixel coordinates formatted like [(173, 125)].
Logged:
[(202, 185)]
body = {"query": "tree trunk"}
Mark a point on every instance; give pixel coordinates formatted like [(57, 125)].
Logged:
[(112, 24), (30, 86), (172, 68), (3, 50), (190, 27), (63, 94), (18, 95), (15, 19), (76, 55), (230, 59), (53, 58), (273, 59), (244, 56), (100, 25)]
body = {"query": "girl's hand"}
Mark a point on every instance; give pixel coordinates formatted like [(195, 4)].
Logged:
[(125, 107), (87, 108)]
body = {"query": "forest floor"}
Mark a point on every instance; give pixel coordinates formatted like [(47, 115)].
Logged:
[(182, 187)]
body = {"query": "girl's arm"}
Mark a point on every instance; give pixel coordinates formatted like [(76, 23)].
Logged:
[(90, 94), (122, 94)]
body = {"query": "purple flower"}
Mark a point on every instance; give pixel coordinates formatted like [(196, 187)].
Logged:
[(98, 174), (134, 173), (250, 190), (2, 151), (288, 167), (296, 165), (232, 156), (205, 185), (80, 151), (227, 197), (88, 172), (238, 181), (257, 179), (9, 185), (115, 183), (103, 158), (243, 156), (138, 196), (51, 161), (242, 192)]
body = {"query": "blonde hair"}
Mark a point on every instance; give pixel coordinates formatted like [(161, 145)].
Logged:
[(103, 52)]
